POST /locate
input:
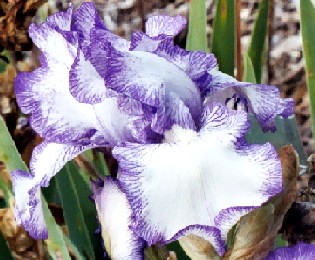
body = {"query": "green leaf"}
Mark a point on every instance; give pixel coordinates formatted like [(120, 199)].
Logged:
[(12, 160), (180, 253), (258, 39), (3, 63), (308, 39), (8, 152), (280, 242), (79, 211), (4, 250), (249, 73), (197, 33), (223, 43), (55, 242), (100, 164), (287, 133)]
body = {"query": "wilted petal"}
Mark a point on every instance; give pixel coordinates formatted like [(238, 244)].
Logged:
[(47, 160), (263, 101), (114, 214), (206, 175), (211, 234), (167, 25), (299, 251)]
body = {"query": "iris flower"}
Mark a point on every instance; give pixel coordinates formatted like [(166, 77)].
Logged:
[(184, 164), (299, 251)]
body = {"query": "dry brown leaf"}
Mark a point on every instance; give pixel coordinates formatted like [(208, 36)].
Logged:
[(256, 232), (198, 248), (16, 16)]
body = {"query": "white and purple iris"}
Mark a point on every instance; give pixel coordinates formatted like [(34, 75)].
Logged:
[(184, 164), (297, 252)]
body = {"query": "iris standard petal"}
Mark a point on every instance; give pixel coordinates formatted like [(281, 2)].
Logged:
[(47, 160), (86, 85), (263, 101), (61, 118), (148, 78), (213, 177), (114, 214), (167, 25), (85, 19)]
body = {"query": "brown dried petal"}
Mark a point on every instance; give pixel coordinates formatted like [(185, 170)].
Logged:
[(198, 248)]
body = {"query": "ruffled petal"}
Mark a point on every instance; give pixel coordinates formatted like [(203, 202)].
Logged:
[(142, 42), (167, 25), (196, 64), (149, 78), (61, 20), (102, 37), (28, 205), (47, 35), (86, 85), (203, 174), (300, 251), (263, 101), (85, 19), (114, 214), (47, 160), (61, 118)]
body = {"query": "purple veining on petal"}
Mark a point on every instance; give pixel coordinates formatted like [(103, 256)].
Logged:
[(175, 112), (263, 101), (142, 42), (300, 251), (187, 154), (102, 37), (61, 20), (196, 64), (225, 220), (85, 19), (218, 118), (148, 78), (167, 25), (86, 85), (47, 160), (30, 216)]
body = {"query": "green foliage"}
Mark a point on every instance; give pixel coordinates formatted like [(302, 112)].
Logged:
[(308, 39), (197, 34), (287, 133), (258, 39), (4, 250), (249, 73), (223, 43), (79, 211)]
